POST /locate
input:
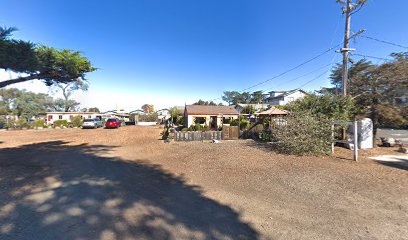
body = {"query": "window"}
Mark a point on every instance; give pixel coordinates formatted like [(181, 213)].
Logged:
[(200, 120), (59, 117), (226, 120), (89, 116), (290, 99)]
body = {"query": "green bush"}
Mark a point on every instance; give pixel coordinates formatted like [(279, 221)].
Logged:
[(3, 122), (180, 120), (76, 121), (302, 134), (243, 124), (60, 123), (265, 136), (152, 117), (184, 130), (38, 123), (22, 123)]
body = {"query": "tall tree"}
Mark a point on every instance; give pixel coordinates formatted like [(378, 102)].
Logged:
[(29, 104), (94, 109), (375, 87), (231, 97), (67, 91), (148, 108), (50, 65), (257, 97), (202, 102)]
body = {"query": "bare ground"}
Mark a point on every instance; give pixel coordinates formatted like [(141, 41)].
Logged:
[(127, 184)]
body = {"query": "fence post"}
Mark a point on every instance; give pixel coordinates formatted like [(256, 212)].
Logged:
[(355, 137), (332, 143)]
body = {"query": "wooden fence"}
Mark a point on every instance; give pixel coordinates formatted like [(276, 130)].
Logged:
[(227, 133), (197, 136)]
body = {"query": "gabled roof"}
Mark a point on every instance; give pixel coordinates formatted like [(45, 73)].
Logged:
[(286, 93), (273, 111), (73, 113), (210, 110)]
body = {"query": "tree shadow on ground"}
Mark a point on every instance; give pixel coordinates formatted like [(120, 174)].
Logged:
[(397, 162), (52, 190)]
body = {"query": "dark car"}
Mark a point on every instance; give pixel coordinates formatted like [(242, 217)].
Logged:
[(112, 123)]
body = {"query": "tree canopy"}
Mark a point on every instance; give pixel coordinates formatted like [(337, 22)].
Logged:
[(378, 89), (38, 62)]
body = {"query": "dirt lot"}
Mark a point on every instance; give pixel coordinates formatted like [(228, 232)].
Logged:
[(126, 184)]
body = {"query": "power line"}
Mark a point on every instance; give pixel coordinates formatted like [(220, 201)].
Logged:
[(373, 57), (304, 75), (315, 78), (289, 70), (386, 42)]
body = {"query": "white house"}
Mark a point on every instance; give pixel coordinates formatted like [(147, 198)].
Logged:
[(163, 114), (258, 107), (281, 98), (212, 116), (54, 116)]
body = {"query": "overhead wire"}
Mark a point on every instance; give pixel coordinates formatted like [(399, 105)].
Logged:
[(383, 41)]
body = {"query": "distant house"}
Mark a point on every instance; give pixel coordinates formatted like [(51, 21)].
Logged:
[(212, 116), (163, 114), (120, 114), (281, 98), (258, 107), (54, 116)]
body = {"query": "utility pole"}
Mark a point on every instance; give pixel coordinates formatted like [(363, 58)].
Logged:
[(345, 50)]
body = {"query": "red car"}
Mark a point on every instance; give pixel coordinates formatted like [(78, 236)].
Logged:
[(112, 123)]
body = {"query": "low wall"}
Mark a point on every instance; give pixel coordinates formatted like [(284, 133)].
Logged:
[(197, 136), (146, 124)]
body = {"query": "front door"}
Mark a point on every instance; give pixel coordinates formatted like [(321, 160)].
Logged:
[(213, 122)]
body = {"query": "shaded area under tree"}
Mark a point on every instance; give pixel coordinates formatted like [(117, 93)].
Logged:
[(52, 190)]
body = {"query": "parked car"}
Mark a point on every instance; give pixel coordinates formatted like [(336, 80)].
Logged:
[(92, 123), (112, 123)]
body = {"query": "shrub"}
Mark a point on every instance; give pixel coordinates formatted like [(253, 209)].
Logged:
[(198, 127), (22, 123), (184, 130), (180, 120), (265, 136), (3, 122), (38, 123), (243, 124), (60, 123), (152, 117), (303, 134), (76, 121)]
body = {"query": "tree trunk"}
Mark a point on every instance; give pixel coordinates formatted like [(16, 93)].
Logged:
[(18, 80)]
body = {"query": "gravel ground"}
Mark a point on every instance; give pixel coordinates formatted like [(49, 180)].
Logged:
[(127, 184)]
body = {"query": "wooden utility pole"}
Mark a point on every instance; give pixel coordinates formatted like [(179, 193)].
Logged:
[(345, 50)]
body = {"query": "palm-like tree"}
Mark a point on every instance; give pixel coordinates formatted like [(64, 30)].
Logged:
[(6, 32)]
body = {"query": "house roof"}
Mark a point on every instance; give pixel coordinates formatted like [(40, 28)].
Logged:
[(73, 113), (273, 111), (286, 93), (210, 110)]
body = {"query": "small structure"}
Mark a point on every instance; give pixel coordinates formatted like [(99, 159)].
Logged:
[(281, 98), (273, 112), (212, 116), (258, 107), (54, 116)]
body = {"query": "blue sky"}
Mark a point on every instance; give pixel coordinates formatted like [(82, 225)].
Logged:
[(175, 52)]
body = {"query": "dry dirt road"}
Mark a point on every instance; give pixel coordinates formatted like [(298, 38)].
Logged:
[(127, 184)]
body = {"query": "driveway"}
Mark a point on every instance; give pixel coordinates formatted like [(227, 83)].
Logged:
[(126, 184)]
